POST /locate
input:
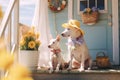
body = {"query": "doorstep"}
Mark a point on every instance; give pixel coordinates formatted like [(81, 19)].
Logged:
[(101, 74), (76, 71), (113, 69)]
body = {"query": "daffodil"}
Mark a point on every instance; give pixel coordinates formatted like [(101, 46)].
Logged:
[(19, 71), (5, 78), (3, 49), (31, 44), (6, 61), (25, 78)]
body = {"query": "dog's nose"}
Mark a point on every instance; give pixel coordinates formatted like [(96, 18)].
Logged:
[(48, 46), (62, 34)]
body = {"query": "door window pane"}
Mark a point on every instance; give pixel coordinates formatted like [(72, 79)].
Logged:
[(100, 4), (83, 5), (91, 3)]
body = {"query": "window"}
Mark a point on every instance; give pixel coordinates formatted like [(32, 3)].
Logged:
[(100, 4)]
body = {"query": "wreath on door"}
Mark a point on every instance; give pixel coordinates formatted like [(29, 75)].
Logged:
[(57, 5)]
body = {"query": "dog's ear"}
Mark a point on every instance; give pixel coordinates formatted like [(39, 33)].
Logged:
[(58, 37)]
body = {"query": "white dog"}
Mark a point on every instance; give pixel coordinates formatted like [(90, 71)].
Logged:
[(76, 45), (57, 62)]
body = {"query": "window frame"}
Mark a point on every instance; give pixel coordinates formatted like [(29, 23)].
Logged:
[(101, 11)]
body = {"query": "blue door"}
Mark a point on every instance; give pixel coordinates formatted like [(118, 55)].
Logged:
[(99, 36)]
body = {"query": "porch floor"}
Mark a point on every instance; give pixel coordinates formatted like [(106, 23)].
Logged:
[(100, 74)]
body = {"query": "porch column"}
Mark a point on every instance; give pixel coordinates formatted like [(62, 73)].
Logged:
[(115, 29)]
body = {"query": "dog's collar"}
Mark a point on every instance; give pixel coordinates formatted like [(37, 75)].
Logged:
[(79, 40), (56, 51)]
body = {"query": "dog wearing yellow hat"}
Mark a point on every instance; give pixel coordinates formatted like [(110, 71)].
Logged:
[(77, 47)]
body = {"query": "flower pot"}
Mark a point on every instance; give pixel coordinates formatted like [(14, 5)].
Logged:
[(29, 59)]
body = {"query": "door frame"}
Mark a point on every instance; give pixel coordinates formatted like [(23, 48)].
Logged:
[(115, 28)]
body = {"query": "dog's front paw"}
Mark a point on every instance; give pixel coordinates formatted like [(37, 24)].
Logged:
[(68, 69), (51, 70), (81, 69), (57, 70), (89, 68)]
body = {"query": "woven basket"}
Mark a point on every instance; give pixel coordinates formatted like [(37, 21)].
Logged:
[(90, 19), (103, 60)]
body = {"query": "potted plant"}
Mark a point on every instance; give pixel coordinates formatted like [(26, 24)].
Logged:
[(29, 53), (90, 16)]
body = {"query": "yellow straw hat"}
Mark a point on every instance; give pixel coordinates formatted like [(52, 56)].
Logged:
[(73, 24)]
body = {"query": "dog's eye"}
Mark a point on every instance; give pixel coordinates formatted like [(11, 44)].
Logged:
[(68, 28), (53, 42)]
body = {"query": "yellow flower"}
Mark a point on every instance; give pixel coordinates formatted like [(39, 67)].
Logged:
[(30, 33), (1, 13), (25, 36), (29, 40), (5, 78), (88, 9), (6, 60), (25, 78), (37, 35), (16, 78), (31, 44), (3, 49), (38, 42), (18, 71), (22, 42)]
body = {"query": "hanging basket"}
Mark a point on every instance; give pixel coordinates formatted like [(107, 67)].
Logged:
[(90, 19)]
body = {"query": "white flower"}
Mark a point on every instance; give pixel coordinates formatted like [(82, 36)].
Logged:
[(58, 8), (64, 2)]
